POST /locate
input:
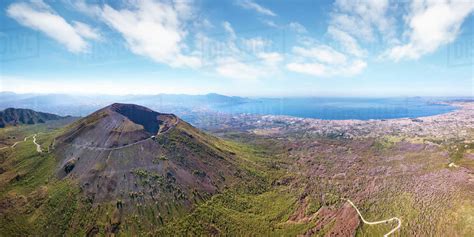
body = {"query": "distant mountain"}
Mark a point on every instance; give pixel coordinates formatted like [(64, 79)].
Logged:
[(12, 116), (187, 101), (80, 105)]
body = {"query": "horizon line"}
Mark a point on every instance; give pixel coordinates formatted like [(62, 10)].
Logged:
[(243, 96)]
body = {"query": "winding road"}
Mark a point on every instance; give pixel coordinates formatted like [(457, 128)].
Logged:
[(38, 146), (377, 222)]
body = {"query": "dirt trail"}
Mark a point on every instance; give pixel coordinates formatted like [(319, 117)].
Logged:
[(124, 146), (38, 146), (377, 222), (110, 148)]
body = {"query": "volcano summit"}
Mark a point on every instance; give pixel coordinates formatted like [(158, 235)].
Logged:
[(128, 152), (118, 125)]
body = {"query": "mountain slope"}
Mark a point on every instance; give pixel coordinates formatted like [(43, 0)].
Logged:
[(128, 170), (12, 116), (127, 152)]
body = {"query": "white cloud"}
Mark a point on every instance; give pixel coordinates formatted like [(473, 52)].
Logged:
[(363, 18), (325, 70), (322, 53), (351, 22), (155, 30), (91, 10), (324, 61), (236, 68), (431, 24), (86, 31), (39, 16), (354, 23), (270, 23), (238, 57), (425, 26), (203, 24), (255, 45), (354, 68), (297, 27), (315, 69), (233, 68), (251, 5), (272, 58), (228, 28), (348, 42), (159, 30), (314, 58)]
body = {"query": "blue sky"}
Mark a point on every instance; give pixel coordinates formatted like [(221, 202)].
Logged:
[(373, 48)]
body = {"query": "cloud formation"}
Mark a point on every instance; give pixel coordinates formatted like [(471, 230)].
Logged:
[(430, 24), (297, 27), (348, 42), (324, 61), (241, 57), (86, 31), (155, 30), (168, 32), (40, 16), (251, 5), (366, 20), (351, 22)]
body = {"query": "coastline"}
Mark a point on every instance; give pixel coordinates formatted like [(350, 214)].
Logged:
[(369, 109), (441, 126)]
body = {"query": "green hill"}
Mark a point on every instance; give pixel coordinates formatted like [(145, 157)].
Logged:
[(14, 117)]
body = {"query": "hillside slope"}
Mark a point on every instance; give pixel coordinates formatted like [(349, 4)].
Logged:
[(13, 116), (124, 169), (125, 152)]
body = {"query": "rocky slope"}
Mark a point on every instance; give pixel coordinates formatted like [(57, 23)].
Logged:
[(127, 152), (124, 169)]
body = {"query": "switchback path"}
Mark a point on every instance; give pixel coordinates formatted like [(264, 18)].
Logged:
[(38, 147), (377, 222)]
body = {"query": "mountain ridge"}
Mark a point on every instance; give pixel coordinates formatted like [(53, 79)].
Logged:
[(17, 116), (80, 105)]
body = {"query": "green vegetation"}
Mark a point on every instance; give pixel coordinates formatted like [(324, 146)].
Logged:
[(464, 219), (402, 206), (41, 204), (255, 207), (159, 158), (457, 150), (261, 189), (386, 142), (25, 168), (235, 213)]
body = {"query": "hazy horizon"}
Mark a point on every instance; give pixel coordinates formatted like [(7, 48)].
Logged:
[(237, 95)]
